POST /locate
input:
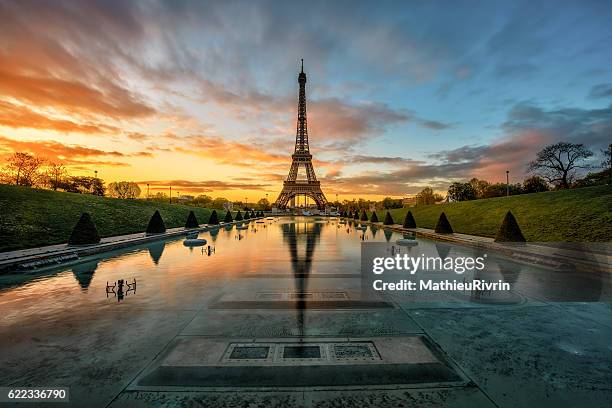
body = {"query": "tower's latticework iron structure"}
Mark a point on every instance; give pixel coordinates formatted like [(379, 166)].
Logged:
[(293, 187)]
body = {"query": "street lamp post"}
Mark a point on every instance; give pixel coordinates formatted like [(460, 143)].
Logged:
[(507, 183), (96, 173), (147, 191), (170, 194)]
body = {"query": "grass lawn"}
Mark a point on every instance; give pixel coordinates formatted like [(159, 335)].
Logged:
[(31, 217), (583, 214)]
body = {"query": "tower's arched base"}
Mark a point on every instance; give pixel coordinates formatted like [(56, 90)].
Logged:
[(311, 190)]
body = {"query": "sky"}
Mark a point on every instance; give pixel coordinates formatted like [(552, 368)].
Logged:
[(202, 96)]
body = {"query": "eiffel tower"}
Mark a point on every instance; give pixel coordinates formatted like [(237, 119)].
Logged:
[(294, 187)]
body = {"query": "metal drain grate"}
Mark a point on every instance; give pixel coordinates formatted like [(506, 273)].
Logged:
[(309, 352), (249, 353), (354, 352), (302, 352), (212, 362)]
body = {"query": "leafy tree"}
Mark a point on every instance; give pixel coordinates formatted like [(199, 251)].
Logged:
[(558, 163), (479, 187), (606, 163), (156, 224), (461, 192), (202, 200), (409, 221), (124, 189), (390, 203), (22, 169), (509, 230), (192, 221), (374, 217), (218, 202), (427, 196), (214, 218), (388, 219), (535, 184), (228, 217), (594, 179), (84, 232), (500, 190), (443, 226), (264, 204)]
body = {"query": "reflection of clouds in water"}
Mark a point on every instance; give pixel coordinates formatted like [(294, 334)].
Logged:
[(84, 273), (156, 249)]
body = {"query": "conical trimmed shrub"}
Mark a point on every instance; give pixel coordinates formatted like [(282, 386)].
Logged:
[(253, 215), (156, 224), (192, 221), (214, 218), (509, 231), (364, 216), (443, 226), (84, 232), (356, 215), (388, 219), (409, 221), (238, 216), (228, 217), (374, 217)]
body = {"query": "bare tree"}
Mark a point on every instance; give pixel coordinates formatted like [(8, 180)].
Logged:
[(22, 169), (557, 163), (56, 175), (124, 189)]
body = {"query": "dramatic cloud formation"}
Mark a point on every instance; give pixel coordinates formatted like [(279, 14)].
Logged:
[(400, 96), (66, 154)]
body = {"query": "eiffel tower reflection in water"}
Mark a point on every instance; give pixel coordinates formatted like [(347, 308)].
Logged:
[(301, 236)]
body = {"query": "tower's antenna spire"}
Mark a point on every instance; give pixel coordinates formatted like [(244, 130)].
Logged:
[(302, 65)]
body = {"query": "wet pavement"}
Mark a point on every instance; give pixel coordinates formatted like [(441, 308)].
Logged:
[(284, 298)]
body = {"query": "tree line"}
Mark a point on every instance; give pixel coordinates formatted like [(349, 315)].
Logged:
[(555, 167), (28, 170)]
